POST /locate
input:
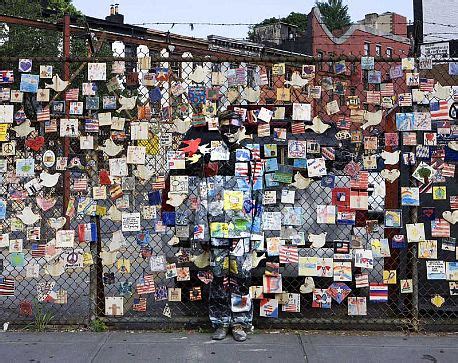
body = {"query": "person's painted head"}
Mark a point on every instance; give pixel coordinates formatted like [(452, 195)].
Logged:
[(230, 126)]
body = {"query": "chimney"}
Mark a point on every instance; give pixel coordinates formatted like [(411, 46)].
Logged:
[(114, 16)]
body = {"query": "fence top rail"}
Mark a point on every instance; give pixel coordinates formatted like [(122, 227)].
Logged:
[(213, 59)]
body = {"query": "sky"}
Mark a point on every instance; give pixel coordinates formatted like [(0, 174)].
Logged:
[(226, 11)]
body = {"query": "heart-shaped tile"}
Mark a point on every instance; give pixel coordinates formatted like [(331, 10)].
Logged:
[(390, 175), (451, 217), (46, 203), (57, 223), (35, 143), (25, 65)]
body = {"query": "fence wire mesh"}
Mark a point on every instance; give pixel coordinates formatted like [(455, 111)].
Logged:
[(115, 141)]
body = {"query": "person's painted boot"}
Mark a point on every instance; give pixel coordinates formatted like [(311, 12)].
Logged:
[(220, 333), (238, 333)]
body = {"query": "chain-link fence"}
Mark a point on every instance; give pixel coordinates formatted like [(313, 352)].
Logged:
[(87, 230)]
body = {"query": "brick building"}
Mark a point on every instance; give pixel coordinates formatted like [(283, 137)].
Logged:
[(376, 35)]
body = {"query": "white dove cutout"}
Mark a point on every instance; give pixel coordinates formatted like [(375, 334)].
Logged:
[(127, 103), (23, 129), (297, 81), (108, 258), (114, 214), (251, 95), (380, 189), (244, 136), (199, 75), (440, 92), (56, 268), (300, 182), (390, 175), (318, 126), (28, 217), (202, 260), (205, 149), (173, 241), (181, 126), (390, 158), (308, 286), (57, 223), (57, 84), (6, 325), (451, 217), (255, 259), (175, 200), (318, 240), (143, 173), (110, 148), (453, 145), (49, 180), (372, 118), (232, 95)]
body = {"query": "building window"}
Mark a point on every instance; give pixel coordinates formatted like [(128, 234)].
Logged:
[(367, 49), (378, 50), (389, 52)]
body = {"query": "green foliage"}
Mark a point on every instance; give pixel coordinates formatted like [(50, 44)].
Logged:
[(24, 41), (98, 326), (334, 14), (41, 318), (298, 19)]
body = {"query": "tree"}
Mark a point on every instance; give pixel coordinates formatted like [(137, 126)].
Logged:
[(24, 41), (334, 14), (298, 19)]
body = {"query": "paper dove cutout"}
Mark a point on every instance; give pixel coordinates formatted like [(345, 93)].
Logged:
[(233, 95), (57, 223), (114, 214), (440, 92), (23, 129), (318, 126), (205, 149), (108, 258), (55, 269), (175, 200), (243, 135), (255, 259), (251, 95), (199, 75), (127, 103), (28, 217), (453, 145), (379, 190), (297, 81), (318, 240), (390, 158), (301, 182), (143, 173), (6, 325), (372, 118), (110, 148), (202, 260), (181, 126), (390, 175), (49, 180), (173, 241), (57, 84), (308, 286), (451, 217), (46, 204), (192, 146), (194, 159)]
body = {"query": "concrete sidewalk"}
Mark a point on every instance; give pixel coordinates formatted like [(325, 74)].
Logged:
[(195, 347)]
